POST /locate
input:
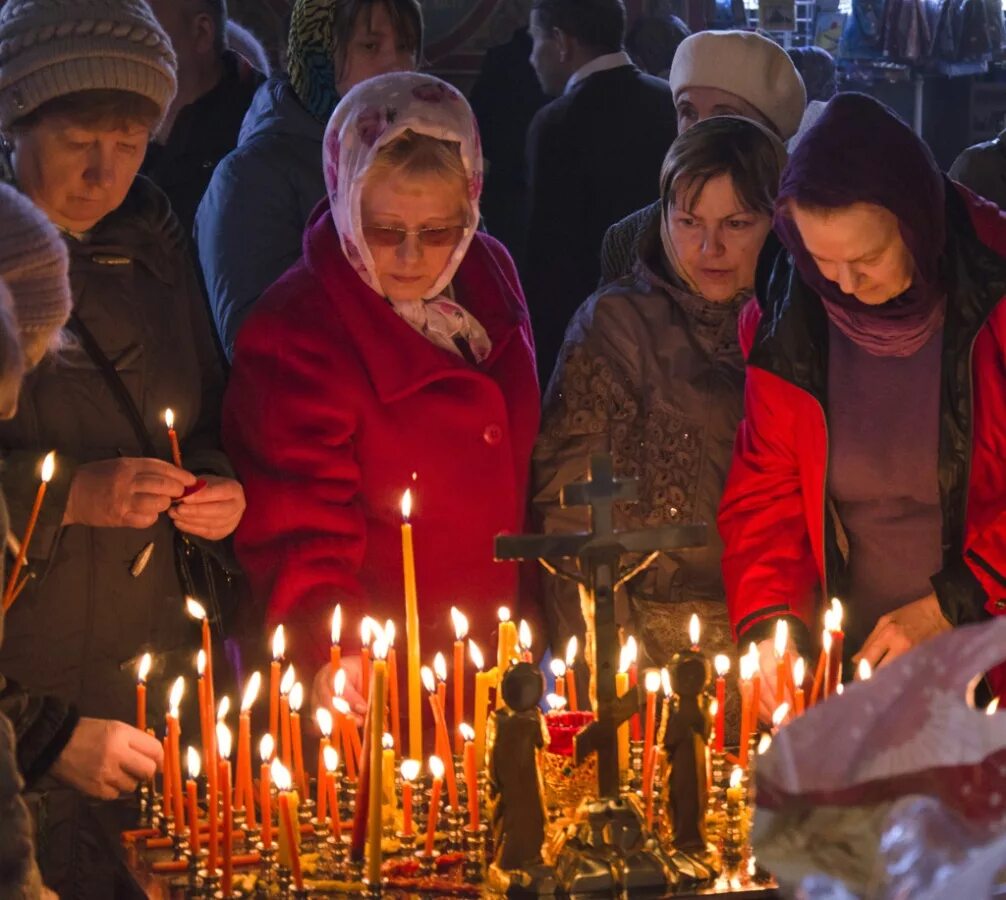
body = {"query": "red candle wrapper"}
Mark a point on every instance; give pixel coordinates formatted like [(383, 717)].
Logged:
[(563, 727)]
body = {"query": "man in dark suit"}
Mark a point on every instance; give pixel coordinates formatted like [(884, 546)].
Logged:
[(594, 155)]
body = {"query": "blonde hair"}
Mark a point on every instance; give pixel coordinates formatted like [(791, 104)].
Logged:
[(416, 154)]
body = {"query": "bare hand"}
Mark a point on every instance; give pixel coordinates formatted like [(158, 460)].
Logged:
[(124, 493), (213, 512), (323, 691), (769, 666), (899, 631), (105, 758)]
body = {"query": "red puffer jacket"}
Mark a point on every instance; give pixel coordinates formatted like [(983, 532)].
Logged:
[(781, 550)]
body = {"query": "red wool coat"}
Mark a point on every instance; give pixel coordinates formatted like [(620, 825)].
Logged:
[(772, 516), (336, 406)]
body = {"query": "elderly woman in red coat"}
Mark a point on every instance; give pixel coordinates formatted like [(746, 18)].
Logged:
[(396, 354)]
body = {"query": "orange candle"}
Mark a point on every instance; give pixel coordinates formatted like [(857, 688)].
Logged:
[(296, 700), (393, 698), (440, 671), (290, 833), (141, 692), (167, 776), (571, 650), (201, 693), (245, 789), (286, 735), (442, 738), (798, 677), (331, 793), (278, 652), (747, 714), (190, 790), (833, 622), (722, 664), (48, 469), (335, 653), (324, 720), (410, 772), (437, 770), (650, 769), (412, 633), (176, 453), (266, 748), (780, 644), (351, 748), (198, 612), (558, 668), (822, 668), (378, 701), (460, 633), (506, 649), (471, 773), (224, 752), (174, 733)]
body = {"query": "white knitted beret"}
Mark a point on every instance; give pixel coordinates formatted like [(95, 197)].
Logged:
[(49, 48), (748, 65)]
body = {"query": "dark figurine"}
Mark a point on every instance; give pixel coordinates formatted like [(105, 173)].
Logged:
[(688, 731), (518, 811)]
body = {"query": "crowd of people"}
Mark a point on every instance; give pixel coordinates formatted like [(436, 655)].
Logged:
[(766, 302)]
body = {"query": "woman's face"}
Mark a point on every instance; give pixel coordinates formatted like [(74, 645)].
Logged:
[(860, 249), (716, 240), (432, 209), (78, 174), (374, 49)]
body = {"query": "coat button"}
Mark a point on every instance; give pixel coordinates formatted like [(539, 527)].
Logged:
[(492, 435)]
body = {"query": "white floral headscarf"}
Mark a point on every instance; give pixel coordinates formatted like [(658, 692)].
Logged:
[(370, 116)]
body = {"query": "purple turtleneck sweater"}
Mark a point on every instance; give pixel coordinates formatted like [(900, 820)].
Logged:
[(883, 422)]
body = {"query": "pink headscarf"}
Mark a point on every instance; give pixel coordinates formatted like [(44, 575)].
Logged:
[(370, 116)]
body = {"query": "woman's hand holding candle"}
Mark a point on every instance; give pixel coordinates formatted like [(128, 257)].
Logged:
[(768, 665), (899, 631), (106, 759), (323, 691), (124, 493), (213, 512)]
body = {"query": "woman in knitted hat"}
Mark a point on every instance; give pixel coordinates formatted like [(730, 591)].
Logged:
[(82, 83), (869, 465), (396, 354), (651, 372), (250, 224)]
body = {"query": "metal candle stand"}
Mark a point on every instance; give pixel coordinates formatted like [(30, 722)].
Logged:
[(474, 868), (635, 773)]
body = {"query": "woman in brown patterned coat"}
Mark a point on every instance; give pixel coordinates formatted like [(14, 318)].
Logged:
[(652, 372)]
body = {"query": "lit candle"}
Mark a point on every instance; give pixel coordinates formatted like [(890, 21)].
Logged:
[(506, 650), (483, 682), (622, 688), (375, 824), (633, 651), (244, 789), (651, 682), (410, 772), (266, 749), (12, 590), (324, 720), (834, 625), (176, 453), (289, 830), (412, 633), (440, 671), (694, 631), (389, 801), (167, 776), (555, 702), (205, 716), (755, 658), (460, 633), (366, 635), (174, 733), (278, 652), (141, 691), (437, 771), (394, 708), (779, 716), (820, 676), (296, 701), (349, 735), (571, 651), (331, 793), (649, 773), (190, 793), (722, 664), (780, 645), (198, 612), (213, 789), (443, 741), (335, 652), (558, 668), (286, 737), (735, 793), (746, 674), (471, 774), (864, 671), (224, 753), (799, 673), (525, 641)]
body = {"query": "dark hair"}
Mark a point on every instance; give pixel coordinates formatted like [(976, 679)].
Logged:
[(653, 41), (725, 145), (817, 69), (105, 108), (597, 24), (217, 11), (406, 18)]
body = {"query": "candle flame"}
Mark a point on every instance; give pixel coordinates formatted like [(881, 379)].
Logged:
[(324, 719), (651, 681), (826, 640), (337, 623), (426, 673), (223, 708), (831, 620), (340, 706), (839, 612), (990, 710), (339, 683), (280, 775), (747, 668), (389, 633), (571, 650), (266, 747), (632, 647), (331, 756), (503, 613), (736, 777), (864, 670), (799, 672), (407, 505), (366, 631), (144, 668), (193, 761), (175, 697), (440, 667), (714, 707), (380, 649), (223, 740), (839, 689), (722, 664), (195, 609), (478, 660), (388, 741), (467, 732), (48, 466), (781, 640), (764, 742), (251, 691), (201, 663), (169, 418), (779, 716), (289, 677), (624, 659), (436, 767), (410, 769), (694, 630), (555, 702), (296, 697), (558, 668), (460, 623), (278, 643), (524, 635), (665, 680)]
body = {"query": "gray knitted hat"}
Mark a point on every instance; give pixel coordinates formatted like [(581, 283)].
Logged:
[(34, 263), (49, 48)]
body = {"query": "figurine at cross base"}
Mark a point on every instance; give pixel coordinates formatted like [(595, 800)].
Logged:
[(518, 802)]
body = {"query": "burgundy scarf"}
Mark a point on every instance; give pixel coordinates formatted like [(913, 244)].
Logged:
[(859, 151)]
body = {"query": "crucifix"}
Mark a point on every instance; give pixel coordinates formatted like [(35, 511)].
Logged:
[(598, 553)]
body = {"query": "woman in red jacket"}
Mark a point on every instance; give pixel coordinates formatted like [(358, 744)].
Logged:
[(395, 354), (869, 463)]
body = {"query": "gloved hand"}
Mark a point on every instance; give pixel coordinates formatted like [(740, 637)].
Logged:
[(105, 758)]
